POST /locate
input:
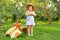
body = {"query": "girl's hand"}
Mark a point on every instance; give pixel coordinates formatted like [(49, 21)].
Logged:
[(32, 14)]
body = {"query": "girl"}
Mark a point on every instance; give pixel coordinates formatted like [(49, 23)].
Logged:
[(30, 19)]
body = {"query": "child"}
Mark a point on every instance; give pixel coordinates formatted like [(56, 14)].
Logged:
[(30, 19)]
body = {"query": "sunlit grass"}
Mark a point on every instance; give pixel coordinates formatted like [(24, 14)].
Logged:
[(43, 31)]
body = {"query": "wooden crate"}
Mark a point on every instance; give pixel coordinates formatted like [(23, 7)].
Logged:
[(24, 29)]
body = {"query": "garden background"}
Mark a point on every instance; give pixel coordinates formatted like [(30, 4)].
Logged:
[(47, 19)]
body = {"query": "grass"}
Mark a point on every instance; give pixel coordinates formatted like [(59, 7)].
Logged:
[(42, 31)]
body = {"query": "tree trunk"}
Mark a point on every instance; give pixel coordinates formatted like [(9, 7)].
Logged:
[(50, 21)]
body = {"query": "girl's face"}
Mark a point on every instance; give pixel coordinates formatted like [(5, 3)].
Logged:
[(30, 8)]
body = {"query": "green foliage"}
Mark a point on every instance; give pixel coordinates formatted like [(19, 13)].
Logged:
[(12, 10)]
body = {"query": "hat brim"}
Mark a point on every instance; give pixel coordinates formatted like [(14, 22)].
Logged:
[(27, 5)]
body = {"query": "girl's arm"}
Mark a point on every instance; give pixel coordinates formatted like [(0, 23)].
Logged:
[(33, 14), (27, 14), (30, 14)]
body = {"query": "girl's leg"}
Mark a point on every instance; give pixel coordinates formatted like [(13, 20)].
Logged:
[(28, 30), (31, 30)]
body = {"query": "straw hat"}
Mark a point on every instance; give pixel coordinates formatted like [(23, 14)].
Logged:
[(33, 7)]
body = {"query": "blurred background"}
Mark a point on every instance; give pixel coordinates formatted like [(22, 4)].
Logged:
[(46, 10), (47, 19)]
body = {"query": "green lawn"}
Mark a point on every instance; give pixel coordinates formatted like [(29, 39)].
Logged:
[(42, 31)]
